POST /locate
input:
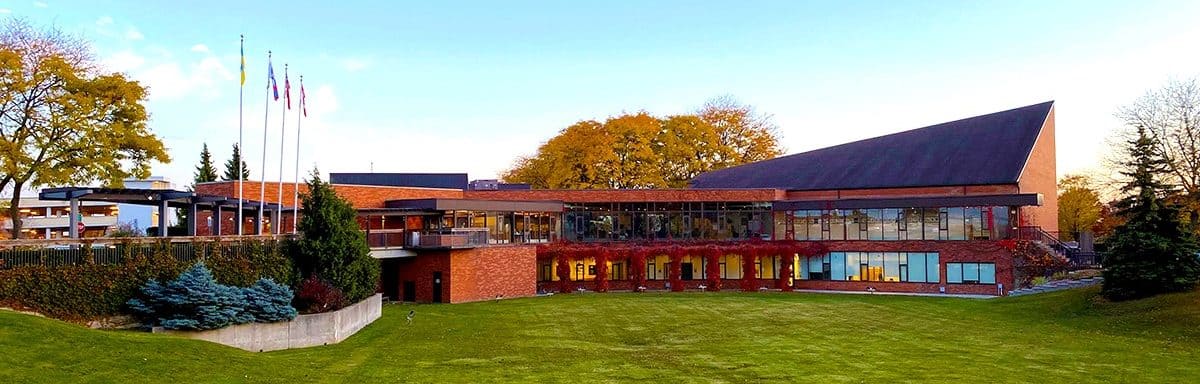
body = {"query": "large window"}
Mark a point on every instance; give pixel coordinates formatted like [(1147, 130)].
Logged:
[(971, 273), (913, 267)]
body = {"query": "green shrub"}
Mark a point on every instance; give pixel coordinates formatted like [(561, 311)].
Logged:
[(89, 291), (333, 246), (195, 300)]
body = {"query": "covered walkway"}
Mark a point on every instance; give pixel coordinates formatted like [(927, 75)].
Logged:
[(164, 199)]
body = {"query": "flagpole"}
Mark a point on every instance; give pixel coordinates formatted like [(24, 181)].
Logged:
[(296, 176), (287, 93), (262, 184), (238, 167)]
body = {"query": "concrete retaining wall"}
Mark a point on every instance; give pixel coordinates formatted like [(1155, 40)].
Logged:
[(303, 331)]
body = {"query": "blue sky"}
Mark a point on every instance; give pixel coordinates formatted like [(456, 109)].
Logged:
[(469, 86)]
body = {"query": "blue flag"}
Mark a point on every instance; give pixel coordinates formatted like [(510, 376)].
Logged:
[(271, 77)]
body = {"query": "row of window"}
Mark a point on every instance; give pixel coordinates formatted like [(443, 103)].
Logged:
[(948, 223), (913, 267), (660, 221)]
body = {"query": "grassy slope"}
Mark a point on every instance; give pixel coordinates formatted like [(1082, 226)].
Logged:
[(1058, 337)]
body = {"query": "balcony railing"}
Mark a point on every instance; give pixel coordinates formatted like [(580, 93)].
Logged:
[(449, 238)]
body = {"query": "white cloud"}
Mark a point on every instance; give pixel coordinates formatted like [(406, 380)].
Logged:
[(5, 11), (40, 4), (133, 33), (200, 48), (104, 21), (355, 64), (124, 61)]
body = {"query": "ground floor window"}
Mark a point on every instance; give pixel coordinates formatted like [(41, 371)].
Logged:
[(971, 273), (912, 267), (545, 272)]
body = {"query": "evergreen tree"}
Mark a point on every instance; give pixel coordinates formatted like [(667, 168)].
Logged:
[(1151, 253), (332, 245), (206, 171), (231, 166)]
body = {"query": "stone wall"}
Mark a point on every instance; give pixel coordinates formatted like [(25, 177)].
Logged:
[(303, 331)]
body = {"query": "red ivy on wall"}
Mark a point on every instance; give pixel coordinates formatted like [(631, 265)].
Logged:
[(749, 275), (676, 254), (564, 274), (601, 257), (712, 268), (637, 267)]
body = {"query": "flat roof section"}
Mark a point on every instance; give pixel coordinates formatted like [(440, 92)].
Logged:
[(477, 205)]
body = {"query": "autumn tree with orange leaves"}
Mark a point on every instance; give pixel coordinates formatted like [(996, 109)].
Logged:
[(638, 150)]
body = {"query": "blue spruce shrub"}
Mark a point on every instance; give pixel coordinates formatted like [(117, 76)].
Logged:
[(269, 302), (194, 300)]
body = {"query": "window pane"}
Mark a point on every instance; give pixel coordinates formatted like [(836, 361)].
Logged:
[(874, 224), (891, 266), (933, 274), (852, 267), (1000, 225), (916, 267), (970, 272), (931, 221), (954, 223), (856, 224), (837, 266), (837, 226), (953, 272), (987, 273), (912, 220), (803, 268), (974, 223), (889, 224), (875, 267)]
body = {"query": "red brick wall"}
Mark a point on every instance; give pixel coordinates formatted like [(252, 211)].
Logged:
[(631, 195), (948, 252), (470, 274), (483, 273), (1041, 176), (360, 196), (420, 269)]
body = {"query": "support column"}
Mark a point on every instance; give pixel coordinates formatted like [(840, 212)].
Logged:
[(257, 223), (73, 219), (162, 219), (192, 218), (216, 221)]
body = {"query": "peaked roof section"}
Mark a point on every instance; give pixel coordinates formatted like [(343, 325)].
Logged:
[(986, 149)]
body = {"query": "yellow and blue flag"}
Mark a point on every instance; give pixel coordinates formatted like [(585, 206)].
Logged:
[(271, 78), (243, 60)]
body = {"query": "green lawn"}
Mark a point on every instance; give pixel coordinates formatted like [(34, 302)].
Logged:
[(694, 337)]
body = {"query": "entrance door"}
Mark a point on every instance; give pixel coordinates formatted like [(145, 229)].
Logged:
[(410, 291), (685, 271), (391, 273), (437, 287)]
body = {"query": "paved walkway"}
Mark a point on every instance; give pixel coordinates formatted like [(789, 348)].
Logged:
[(1057, 285)]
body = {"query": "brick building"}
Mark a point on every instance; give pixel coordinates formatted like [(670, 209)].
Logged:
[(922, 210)]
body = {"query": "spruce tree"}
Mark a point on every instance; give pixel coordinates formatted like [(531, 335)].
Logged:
[(231, 166), (332, 246), (206, 171), (1152, 252)]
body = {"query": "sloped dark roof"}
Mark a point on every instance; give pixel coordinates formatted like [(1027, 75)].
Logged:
[(418, 180), (987, 149)]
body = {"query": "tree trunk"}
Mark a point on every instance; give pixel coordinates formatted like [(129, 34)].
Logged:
[(14, 210)]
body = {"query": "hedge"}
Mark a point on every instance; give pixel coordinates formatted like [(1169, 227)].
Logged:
[(88, 291)]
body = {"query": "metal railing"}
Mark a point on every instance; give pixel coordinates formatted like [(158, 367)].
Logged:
[(61, 252), (1050, 240), (447, 238)]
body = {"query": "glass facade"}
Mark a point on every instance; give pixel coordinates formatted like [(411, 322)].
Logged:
[(949, 223), (911, 267), (663, 221)]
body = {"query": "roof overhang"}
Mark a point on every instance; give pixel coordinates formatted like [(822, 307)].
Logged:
[(476, 205), (151, 197), (1020, 199)]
